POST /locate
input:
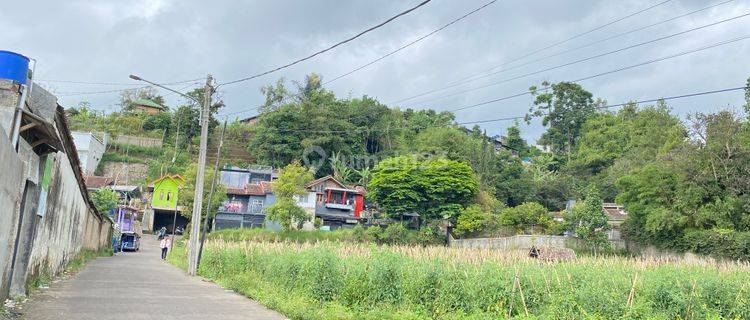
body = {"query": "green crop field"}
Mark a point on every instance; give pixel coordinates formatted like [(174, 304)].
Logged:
[(333, 280)]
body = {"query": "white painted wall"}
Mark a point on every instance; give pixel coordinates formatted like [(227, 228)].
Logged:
[(90, 150)]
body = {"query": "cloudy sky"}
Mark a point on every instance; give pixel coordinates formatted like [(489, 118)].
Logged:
[(175, 40)]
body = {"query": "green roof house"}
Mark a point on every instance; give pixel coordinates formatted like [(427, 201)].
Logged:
[(165, 191), (148, 106)]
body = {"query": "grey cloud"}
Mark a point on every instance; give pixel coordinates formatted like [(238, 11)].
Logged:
[(177, 40)]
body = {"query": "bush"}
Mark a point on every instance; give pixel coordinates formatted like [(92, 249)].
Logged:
[(720, 243)]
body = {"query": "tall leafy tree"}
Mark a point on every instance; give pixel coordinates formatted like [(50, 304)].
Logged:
[(433, 188), (564, 109)]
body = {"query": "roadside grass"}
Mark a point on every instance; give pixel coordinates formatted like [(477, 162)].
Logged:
[(334, 280), (395, 234)]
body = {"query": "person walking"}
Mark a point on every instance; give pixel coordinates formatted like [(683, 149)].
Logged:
[(164, 244)]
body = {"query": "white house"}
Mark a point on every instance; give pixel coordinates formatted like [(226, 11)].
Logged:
[(90, 150)]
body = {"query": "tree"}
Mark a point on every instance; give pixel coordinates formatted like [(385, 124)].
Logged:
[(186, 196), (275, 96), (341, 170), (104, 199), (434, 188), (291, 183), (589, 221), (365, 175), (563, 111), (526, 217), (515, 142)]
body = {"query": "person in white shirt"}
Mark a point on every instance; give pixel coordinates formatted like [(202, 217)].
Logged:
[(164, 244)]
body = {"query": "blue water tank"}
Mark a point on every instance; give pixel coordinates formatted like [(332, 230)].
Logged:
[(14, 66)]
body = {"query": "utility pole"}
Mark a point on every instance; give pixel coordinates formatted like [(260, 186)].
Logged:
[(211, 193), (198, 198)]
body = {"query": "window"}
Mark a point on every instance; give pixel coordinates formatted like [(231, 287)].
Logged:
[(169, 196), (257, 202), (161, 195), (319, 197)]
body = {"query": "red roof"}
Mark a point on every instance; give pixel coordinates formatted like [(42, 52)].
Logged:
[(259, 189), (96, 182), (323, 179)]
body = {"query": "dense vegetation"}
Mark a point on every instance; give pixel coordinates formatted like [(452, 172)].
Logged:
[(685, 183), (333, 281)]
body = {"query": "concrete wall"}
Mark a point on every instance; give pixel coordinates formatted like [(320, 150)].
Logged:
[(68, 225), (123, 172), (11, 184), (511, 243), (138, 141), (31, 244), (526, 241)]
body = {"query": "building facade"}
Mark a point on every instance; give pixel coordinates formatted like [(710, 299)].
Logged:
[(90, 150)]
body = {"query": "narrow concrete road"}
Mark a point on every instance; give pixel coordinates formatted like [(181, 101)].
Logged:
[(139, 285)]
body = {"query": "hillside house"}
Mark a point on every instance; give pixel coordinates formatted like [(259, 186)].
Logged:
[(250, 120), (148, 106), (248, 193), (336, 204), (90, 150), (617, 216), (163, 205)]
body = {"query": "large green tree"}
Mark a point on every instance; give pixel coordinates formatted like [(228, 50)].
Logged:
[(564, 108), (434, 188)]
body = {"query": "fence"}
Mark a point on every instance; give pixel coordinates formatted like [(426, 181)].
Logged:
[(527, 241), (511, 243)]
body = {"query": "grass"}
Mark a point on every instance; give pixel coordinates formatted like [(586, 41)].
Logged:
[(334, 280), (116, 157), (265, 235), (393, 234)]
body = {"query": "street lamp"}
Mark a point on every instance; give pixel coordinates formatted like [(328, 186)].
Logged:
[(137, 78), (198, 200)]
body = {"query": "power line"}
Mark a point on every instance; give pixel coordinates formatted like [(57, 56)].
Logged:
[(329, 48), (83, 93), (412, 42), (611, 71), (625, 103), (388, 54), (587, 58), (485, 75), (360, 130), (524, 56), (683, 53), (109, 83)]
